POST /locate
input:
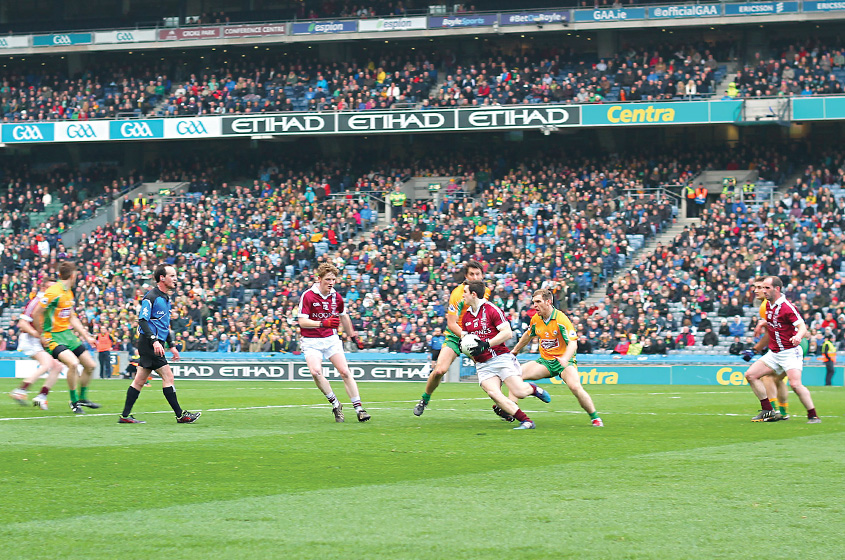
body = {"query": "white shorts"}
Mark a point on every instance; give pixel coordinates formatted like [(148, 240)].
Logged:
[(785, 360), (501, 366), (323, 347), (29, 345)]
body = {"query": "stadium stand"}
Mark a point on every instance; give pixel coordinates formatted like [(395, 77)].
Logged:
[(567, 226), (115, 90)]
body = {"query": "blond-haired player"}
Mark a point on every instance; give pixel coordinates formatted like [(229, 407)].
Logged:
[(321, 312), (558, 344)]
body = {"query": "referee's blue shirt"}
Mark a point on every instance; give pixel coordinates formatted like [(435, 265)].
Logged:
[(155, 309)]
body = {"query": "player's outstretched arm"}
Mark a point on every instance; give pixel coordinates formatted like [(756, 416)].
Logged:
[(80, 329), (522, 342)]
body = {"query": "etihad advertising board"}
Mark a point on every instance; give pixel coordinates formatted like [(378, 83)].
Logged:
[(534, 116), (287, 370)]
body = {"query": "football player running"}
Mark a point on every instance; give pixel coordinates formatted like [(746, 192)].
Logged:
[(473, 272), (494, 363), (785, 329), (558, 344)]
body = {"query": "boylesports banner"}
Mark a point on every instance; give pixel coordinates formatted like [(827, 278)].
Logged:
[(404, 370)]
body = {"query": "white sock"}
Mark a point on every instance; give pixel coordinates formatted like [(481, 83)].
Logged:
[(356, 402), (333, 400)]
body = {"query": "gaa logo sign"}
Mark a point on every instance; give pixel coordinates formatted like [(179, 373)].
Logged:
[(81, 131), (125, 37), (23, 133), (61, 40), (188, 128), (136, 130), (3, 43)]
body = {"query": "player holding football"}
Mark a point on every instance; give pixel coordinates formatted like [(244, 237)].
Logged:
[(57, 320), (785, 329), (558, 343), (776, 388), (473, 272), (29, 343), (321, 312), (494, 363), (153, 334)]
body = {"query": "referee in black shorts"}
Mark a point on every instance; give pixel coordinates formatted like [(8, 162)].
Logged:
[(153, 334)]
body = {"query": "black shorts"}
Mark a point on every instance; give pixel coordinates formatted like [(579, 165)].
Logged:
[(78, 351), (148, 358)]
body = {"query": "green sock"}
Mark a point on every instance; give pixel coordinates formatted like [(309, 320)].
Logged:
[(594, 415), (83, 393), (782, 410), (73, 397), (426, 397)]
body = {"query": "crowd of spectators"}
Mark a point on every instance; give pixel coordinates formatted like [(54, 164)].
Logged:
[(245, 250), (49, 201), (792, 70), (695, 292), (304, 85), (652, 72), (102, 92), (558, 75), (261, 84)]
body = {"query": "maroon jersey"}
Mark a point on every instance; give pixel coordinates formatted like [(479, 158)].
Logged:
[(485, 323), (782, 321), (317, 307)]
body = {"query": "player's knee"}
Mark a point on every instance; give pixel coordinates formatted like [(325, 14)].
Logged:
[(438, 373)]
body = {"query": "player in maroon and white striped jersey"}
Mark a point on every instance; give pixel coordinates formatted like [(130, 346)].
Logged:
[(29, 343), (494, 362), (785, 329), (321, 312)]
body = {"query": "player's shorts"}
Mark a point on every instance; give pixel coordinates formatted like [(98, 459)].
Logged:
[(58, 342), (555, 367), (501, 366), (147, 357), (785, 360), (325, 348), (454, 343), (29, 345)]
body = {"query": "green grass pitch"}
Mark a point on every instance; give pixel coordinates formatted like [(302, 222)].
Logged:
[(677, 473)]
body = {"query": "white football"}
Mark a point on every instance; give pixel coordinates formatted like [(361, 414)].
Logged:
[(468, 343)]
